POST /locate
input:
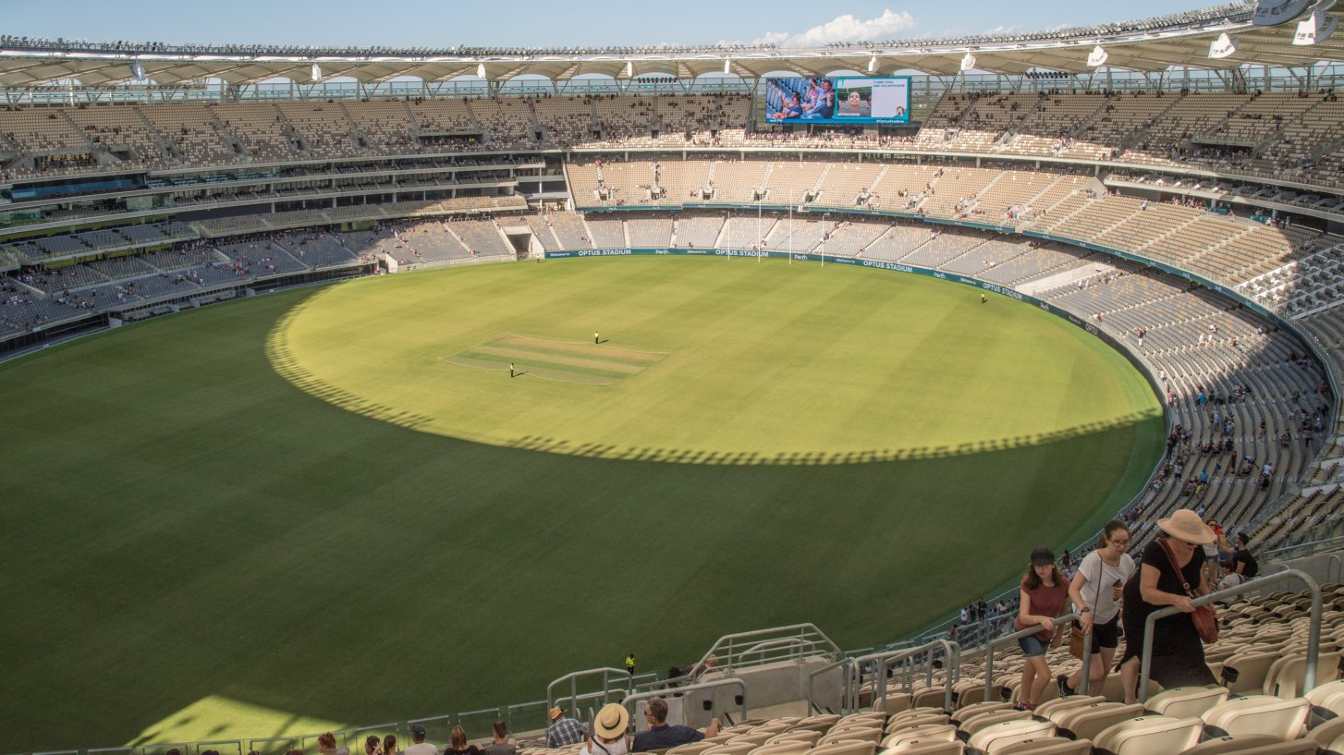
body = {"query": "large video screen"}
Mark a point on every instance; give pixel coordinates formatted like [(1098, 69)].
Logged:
[(840, 101)]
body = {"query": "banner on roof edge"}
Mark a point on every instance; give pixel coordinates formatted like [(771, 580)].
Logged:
[(1275, 12), (1222, 47), (1315, 29)]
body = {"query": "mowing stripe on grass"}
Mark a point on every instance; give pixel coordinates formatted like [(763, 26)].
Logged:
[(604, 350), (534, 369)]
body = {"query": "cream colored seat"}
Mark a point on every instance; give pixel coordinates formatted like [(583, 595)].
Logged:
[(976, 723), (1329, 735), (1186, 702), (1049, 746), (846, 748), (731, 748), (975, 709), (895, 702), (752, 738), (1050, 708), (926, 733), (1259, 714), (852, 734), (789, 748), (693, 748), (1251, 669), (903, 720), (1286, 676), (1090, 720), (820, 722), (809, 736), (1150, 735), (992, 739), (1254, 745), (931, 748), (1329, 696)]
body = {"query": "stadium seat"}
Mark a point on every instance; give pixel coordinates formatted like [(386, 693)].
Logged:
[(1259, 714), (1050, 708), (1150, 735), (782, 749), (1253, 745), (975, 709), (925, 733), (992, 718), (993, 738), (845, 748), (1186, 702), (1090, 720), (1048, 746), (930, 748)]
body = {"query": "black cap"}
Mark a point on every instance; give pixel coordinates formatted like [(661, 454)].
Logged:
[(417, 730), (1042, 556)]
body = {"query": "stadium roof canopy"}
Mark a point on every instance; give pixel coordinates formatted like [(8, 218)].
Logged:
[(1260, 34)]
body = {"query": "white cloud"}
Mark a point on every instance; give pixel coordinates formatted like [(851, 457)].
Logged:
[(844, 28)]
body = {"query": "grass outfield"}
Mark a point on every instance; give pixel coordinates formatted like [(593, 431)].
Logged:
[(267, 518)]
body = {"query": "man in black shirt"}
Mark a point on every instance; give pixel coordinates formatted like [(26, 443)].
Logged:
[(661, 736)]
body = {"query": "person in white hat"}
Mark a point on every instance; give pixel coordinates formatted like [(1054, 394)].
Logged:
[(1171, 561), (611, 727)]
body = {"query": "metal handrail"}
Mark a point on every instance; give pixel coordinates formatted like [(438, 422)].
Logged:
[(631, 699), (1313, 633), (807, 632), (1011, 637), (951, 650), (573, 679), (847, 664)]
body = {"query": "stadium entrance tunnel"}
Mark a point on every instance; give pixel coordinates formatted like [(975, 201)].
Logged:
[(709, 361)]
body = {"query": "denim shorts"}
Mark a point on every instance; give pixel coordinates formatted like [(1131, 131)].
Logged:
[(1032, 645)]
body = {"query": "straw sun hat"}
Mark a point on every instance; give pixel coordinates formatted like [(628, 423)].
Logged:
[(1184, 524), (612, 721)]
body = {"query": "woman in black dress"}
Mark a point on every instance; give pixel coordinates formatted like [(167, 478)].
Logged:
[(1178, 653)]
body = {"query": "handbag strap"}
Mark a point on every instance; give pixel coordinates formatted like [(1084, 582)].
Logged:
[(1179, 574)]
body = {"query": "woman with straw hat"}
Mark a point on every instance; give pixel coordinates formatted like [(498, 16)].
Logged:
[(1173, 560), (610, 726)]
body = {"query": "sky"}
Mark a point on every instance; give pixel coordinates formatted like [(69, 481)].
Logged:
[(445, 23)]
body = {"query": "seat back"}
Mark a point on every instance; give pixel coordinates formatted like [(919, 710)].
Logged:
[(731, 748), (1254, 745), (1150, 735), (1320, 693), (902, 720), (970, 711), (1328, 733), (809, 736), (974, 724), (1286, 676), (1186, 702), (692, 748), (895, 703), (752, 738), (993, 738), (852, 734), (1260, 714), (1050, 746), (916, 734), (930, 748), (1252, 667), (1050, 708), (846, 748), (1089, 721), (788, 748)]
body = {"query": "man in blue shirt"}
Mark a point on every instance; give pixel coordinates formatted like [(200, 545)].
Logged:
[(563, 730), (661, 736)]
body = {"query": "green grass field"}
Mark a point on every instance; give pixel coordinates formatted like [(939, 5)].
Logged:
[(334, 506)]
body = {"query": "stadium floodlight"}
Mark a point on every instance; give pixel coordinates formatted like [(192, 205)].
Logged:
[(1097, 58), (967, 62), (872, 64), (315, 73), (1316, 28), (1275, 12), (1222, 47)]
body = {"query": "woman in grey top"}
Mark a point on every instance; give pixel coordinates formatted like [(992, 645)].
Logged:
[(1095, 591)]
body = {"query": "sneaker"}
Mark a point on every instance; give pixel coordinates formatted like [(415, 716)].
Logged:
[(1064, 689)]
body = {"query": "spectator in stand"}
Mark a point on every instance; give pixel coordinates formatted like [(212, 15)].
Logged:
[(459, 745), (661, 736), (390, 744), (562, 730), (501, 745), (420, 746), (372, 745), (1040, 599), (1096, 591), (1172, 560), (610, 728), (1243, 565), (326, 745)]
